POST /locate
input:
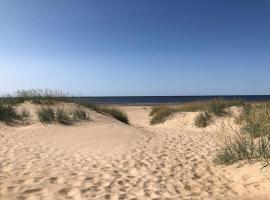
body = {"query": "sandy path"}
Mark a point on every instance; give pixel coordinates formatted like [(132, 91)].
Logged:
[(108, 160)]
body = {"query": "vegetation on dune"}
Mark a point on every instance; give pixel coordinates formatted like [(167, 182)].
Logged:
[(115, 113), (251, 142), (79, 114), (39, 96), (8, 113), (160, 114), (24, 116), (89, 105), (248, 143), (9, 100), (202, 119), (215, 107), (242, 147), (50, 114), (46, 114), (62, 116)]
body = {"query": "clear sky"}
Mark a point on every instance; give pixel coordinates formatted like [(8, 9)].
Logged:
[(136, 47)]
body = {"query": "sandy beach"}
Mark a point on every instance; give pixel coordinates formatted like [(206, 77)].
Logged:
[(106, 159)]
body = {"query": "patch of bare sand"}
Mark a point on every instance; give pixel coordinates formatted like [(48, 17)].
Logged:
[(105, 159)]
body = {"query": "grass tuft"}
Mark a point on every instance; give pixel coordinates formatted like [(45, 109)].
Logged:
[(39, 96), (216, 107), (46, 114), (202, 119), (8, 113), (116, 113), (250, 143), (160, 114), (50, 114), (62, 116), (79, 114)]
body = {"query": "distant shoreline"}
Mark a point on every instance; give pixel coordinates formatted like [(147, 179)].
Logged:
[(154, 100)]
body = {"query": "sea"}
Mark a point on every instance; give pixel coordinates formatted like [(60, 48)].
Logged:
[(150, 100)]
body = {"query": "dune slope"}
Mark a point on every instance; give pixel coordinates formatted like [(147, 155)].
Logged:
[(105, 159)]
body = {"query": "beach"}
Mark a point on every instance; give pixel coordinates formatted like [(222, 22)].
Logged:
[(106, 159)]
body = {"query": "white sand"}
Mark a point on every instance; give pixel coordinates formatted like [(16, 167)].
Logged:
[(105, 159)]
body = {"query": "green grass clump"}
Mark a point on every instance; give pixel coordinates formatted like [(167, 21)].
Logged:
[(50, 114), (44, 97), (161, 113), (202, 119), (115, 113), (8, 113), (251, 142), (255, 120), (216, 107), (9, 100), (62, 116), (90, 105), (192, 106), (243, 147), (46, 114), (79, 114)]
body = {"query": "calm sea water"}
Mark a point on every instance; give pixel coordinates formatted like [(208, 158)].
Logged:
[(144, 100)]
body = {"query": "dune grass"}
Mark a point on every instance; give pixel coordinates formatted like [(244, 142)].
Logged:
[(160, 114), (46, 114), (112, 111), (51, 114), (24, 116), (251, 142), (215, 107), (40, 96), (79, 114), (202, 119), (8, 113), (242, 147), (62, 116), (115, 113)]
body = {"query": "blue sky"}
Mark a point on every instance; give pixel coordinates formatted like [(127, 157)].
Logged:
[(136, 47)]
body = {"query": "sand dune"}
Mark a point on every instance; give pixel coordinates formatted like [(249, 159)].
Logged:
[(105, 159)]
